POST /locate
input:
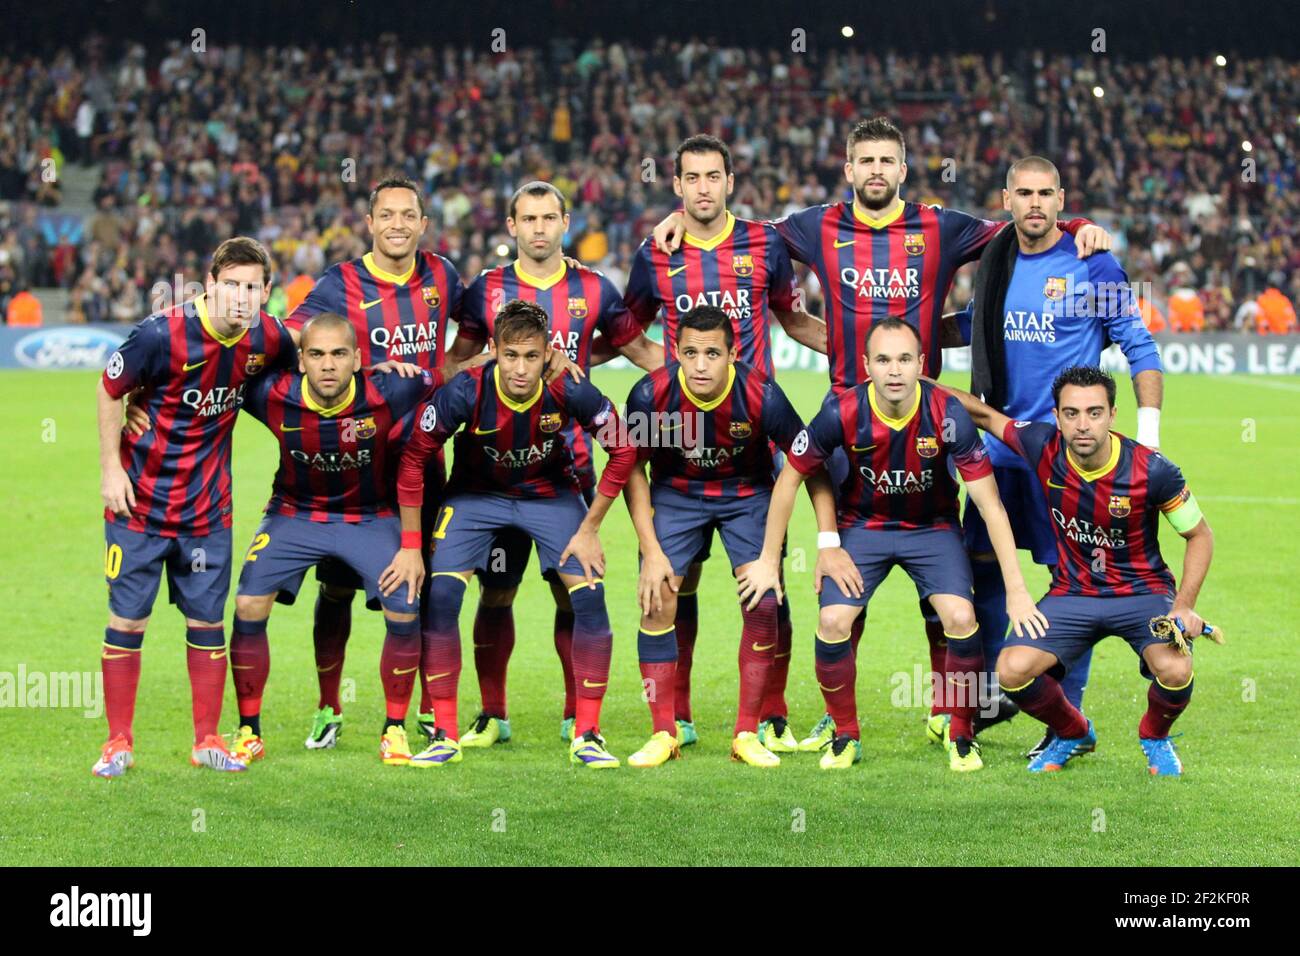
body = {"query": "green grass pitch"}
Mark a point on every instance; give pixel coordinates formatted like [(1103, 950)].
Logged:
[(1235, 438)]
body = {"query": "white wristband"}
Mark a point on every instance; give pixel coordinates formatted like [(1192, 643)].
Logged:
[(1149, 427), (828, 539)]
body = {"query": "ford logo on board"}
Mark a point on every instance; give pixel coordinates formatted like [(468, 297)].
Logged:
[(67, 348)]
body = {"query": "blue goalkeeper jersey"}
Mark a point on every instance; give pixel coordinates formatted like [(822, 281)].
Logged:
[(1060, 311)]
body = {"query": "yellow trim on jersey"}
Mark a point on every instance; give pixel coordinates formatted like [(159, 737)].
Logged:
[(321, 410), (542, 284), (700, 403), (881, 223), (897, 424), (1104, 470), (1185, 513), (708, 245), (201, 308), (583, 584), (368, 260), (510, 403)]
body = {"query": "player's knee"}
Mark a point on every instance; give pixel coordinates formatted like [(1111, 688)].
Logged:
[(657, 620), (1174, 671), (833, 624), (128, 624), (498, 597), (401, 624), (446, 594), (192, 622), (337, 594), (960, 620), (1015, 668), (254, 607)]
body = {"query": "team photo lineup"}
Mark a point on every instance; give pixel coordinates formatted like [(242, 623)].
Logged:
[(362, 493), (789, 413)]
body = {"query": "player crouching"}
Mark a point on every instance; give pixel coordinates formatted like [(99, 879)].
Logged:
[(1106, 493), (512, 469)]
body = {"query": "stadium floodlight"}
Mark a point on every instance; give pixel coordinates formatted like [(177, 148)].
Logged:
[(1098, 92), (503, 249), (846, 31), (1221, 60), (1246, 146)]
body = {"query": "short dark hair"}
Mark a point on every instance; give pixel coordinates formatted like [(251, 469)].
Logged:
[(1084, 376), (702, 143), (880, 127), (241, 251), (538, 188), (396, 182), (327, 320), (1036, 164), (894, 323), (707, 318), (519, 320)]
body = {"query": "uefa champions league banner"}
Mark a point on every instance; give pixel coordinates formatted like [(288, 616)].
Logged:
[(63, 347)]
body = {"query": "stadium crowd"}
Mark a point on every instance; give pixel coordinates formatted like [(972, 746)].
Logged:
[(1191, 164)]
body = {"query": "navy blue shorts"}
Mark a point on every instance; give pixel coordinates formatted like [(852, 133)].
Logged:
[(508, 557), (1027, 509), (198, 572), (284, 548), (468, 524), (684, 525), (932, 557), (1076, 623)]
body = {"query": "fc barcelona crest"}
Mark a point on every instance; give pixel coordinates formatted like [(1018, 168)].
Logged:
[(365, 428), (743, 266), (578, 308), (740, 429), (1055, 288), (255, 363), (431, 296), (1120, 505), (914, 243), (549, 422), (927, 446)]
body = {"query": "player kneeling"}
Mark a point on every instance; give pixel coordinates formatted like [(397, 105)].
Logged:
[(512, 469), (898, 506), (329, 500), (706, 424), (1106, 493)]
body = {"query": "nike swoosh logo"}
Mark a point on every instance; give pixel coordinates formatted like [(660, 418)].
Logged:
[(673, 272), (434, 677), (587, 683), (187, 367), (863, 448), (365, 305), (762, 647), (841, 245), (114, 657), (217, 655), (286, 428), (830, 690), (1050, 485), (669, 428), (487, 431), (326, 670), (408, 670)]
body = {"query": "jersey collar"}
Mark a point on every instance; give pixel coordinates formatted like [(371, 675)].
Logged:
[(1104, 470), (321, 410), (509, 402), (866, 220), (897, 424), (542, 284), (710, 405), (708, 245), (201, 309), (368, 260)]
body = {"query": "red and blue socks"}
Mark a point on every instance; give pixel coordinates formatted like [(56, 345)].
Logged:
[(440, 658), (774, 698), (657, 655), (962, 670), (331, 626), (399, 666), (1164, 705), (250, 664), (120, 664), (593, 644), (1043, 699), (686, 624), (205, 659), (837, 675), (494, 641), (758, 644)]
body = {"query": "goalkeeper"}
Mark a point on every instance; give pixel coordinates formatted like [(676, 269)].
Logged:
[(1105, 494)]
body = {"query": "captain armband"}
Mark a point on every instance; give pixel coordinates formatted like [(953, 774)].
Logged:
[(1182, 511)]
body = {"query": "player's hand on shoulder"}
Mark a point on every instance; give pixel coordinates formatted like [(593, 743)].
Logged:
[(559, 364), (1091, 239), (115, 487), (407, 567), (835, 563), (668, 233), (656, 573), (761, 576), (1025, 616), (404, 369)]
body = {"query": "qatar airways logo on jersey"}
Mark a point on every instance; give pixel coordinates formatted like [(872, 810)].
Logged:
[(735, 304), (413, 338), (1021, 326), (566, 342), (706, 456), (883, 283), (214, 401), (1083, 531), (333, 461), (897, 481), (520, 457)]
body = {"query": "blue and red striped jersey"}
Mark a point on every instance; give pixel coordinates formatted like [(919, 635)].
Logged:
[(336, 463), (901, 266), (193, 382), (898, 468), (716, 449), (400, 317), (1105, 521), (580, 303), (745, 270), (512, 448)]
